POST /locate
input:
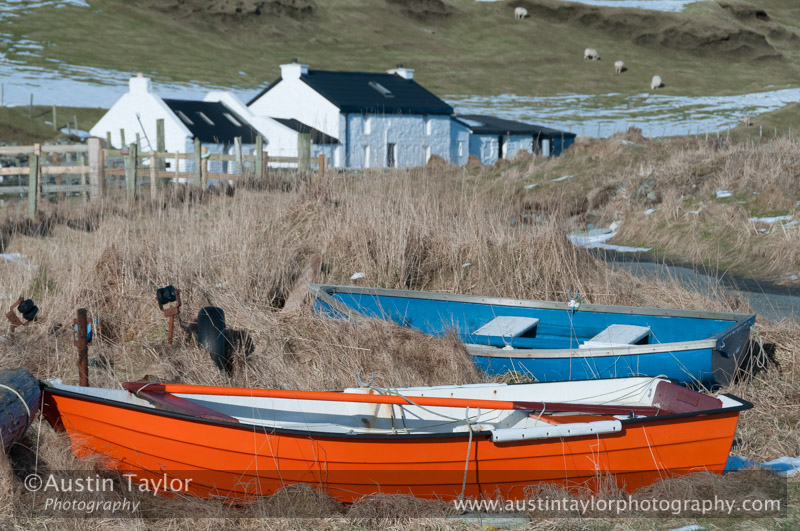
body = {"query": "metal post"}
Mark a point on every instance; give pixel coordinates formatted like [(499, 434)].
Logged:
[(82, 342)]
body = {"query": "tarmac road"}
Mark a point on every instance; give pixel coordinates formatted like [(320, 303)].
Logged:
[(768, 300)]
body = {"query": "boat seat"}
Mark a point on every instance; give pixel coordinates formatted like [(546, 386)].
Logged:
[(618, 335), (508, 326)]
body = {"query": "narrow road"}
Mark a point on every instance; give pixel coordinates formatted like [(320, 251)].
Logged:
[(768, 300)]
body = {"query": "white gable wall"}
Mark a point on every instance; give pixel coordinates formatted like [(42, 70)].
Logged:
[(149, 107), (292, 98), (459, 143), (280, 141)]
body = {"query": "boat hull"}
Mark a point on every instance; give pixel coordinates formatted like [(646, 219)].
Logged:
[(691, 347), (217, 459)]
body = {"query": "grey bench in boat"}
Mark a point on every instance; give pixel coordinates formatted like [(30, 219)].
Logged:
[(507, 326), (618, 335)]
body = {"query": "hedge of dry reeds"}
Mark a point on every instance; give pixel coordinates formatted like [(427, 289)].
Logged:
[(450, 229)]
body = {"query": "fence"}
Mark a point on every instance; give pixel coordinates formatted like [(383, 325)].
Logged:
[(87, 177)]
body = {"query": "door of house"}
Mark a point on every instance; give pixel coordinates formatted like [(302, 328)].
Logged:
[(390, 155), (501, 144)]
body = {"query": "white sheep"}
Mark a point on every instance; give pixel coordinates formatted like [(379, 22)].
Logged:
[(520, 13), (746, 121), (656, 83), (619, 67), (591, 53)]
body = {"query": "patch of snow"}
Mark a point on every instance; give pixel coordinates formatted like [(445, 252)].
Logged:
[(793, 277), (695, 212), (83, 135), (357, 276), (13, 8), (17, 258), (466, 264), (649, 211), (596, 238), (529, 186), (563, 178), (791, 224), (83, 86), (605, 114), (774, 219), (722, 194), (692, 527), (673, 6)]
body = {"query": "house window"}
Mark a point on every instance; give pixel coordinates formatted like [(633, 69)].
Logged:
[(391, 154), (202, 115), (233, 120), (368, 126), (460, 148), (185, 118)]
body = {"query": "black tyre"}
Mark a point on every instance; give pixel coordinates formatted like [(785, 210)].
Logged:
[(211, 335)]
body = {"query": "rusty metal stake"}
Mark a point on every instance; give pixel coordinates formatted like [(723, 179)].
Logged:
[(13, 318), (82, 342), (170, 314)]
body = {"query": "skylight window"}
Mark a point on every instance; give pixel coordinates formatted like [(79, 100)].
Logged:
[(380, 88), (204, 117), (233, 120), (185, 118)]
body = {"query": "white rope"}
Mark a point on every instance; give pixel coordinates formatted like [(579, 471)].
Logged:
[(469, 448), (27, 409)]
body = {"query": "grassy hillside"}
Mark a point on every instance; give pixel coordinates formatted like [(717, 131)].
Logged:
[(457, 46), (25, 125)]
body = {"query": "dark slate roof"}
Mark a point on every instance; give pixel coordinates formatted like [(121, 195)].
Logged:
[(223, 131), (371, 92), (490, 125), (317, 137)]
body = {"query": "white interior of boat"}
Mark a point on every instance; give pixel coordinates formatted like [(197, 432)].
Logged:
[(337, 417)]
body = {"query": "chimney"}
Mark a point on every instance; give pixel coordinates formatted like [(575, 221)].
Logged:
[(405, 73), (293, 70), (139, 84)]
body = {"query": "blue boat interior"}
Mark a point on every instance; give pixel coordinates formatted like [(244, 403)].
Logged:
[(524, 327)]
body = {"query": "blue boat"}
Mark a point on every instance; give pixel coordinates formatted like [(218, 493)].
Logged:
[(560, 341)]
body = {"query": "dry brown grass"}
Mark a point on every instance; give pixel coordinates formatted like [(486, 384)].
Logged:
[(411, 229)]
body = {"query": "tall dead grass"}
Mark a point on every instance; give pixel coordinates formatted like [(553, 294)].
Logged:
[(449, 229)]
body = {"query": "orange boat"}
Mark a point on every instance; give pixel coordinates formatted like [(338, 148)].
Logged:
[(479, 441)]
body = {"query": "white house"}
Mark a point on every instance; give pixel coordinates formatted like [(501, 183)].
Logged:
[(492, 138), (376, 120), (214, 123)]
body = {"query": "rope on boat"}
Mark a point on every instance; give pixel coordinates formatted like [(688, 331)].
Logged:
[(142, 388), (469, 448), (14, 391)]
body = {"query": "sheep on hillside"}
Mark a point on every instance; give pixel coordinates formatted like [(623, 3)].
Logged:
[(520, 13), (619, 67), (591, 53), (746, 121), (656, 83)]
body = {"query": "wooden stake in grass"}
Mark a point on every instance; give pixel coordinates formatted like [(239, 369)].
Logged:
[(55, 118)]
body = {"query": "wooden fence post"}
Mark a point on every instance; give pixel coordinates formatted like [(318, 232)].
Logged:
[(33, 185), (259, 158), (321, 166), (266, 165), (237, 143), (96, 169), (204, 167), (108, 140), (59, 176), (130, 170), (198, 161), (84, 178), (303, 152), (153, 176), (160, 144), (37, 150), (121, 138), (55, 119)]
